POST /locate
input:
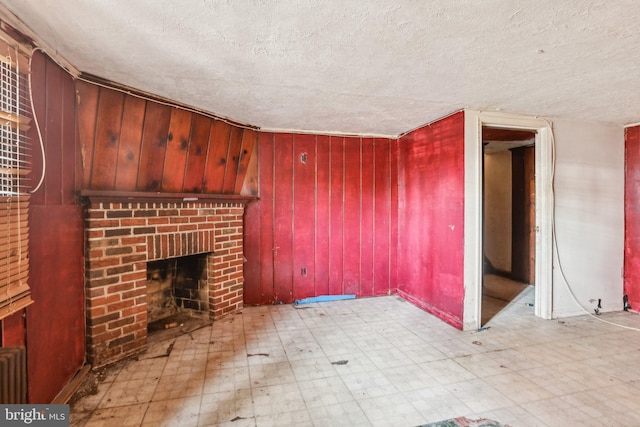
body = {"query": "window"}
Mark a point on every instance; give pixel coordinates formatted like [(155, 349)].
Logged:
[(14, 167)]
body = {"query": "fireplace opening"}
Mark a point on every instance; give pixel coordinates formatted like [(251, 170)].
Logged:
[(176, 286)]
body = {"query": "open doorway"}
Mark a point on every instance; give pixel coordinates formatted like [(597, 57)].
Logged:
[(473, 216), (508, 244)]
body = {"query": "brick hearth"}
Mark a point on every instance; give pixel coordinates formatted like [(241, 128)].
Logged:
[(121, 237)]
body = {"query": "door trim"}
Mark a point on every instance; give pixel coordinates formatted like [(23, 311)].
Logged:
[(473, 236)]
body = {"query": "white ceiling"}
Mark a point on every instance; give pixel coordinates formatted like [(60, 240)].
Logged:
[(356, 66)]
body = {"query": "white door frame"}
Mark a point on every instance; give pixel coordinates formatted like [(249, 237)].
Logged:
[(473, 234)]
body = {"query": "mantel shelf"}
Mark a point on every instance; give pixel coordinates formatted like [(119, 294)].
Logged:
[(142, 196)]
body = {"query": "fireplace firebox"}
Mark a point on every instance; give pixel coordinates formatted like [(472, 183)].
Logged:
[(177, 285)]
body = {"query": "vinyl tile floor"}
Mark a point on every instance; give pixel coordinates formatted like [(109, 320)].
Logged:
[(497, 293), (377, 362)]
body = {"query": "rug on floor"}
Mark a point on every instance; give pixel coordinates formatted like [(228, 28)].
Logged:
[(465, 422)]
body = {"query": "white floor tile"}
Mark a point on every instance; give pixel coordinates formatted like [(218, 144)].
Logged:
[(228, 406), (324, 392), (391, 410), (340, 414), (368, 384), (126, 416), (447, 371), (277, 399), (436, 403), (376, 361)]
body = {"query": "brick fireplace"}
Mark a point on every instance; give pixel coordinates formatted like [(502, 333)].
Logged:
[(122, 236)]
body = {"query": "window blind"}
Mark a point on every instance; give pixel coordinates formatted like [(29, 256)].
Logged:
[(15, 119)]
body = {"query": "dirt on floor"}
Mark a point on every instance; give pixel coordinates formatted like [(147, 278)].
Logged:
[(89, 386), (162, 330)]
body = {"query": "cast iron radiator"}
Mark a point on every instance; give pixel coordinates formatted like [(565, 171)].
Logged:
[(13, 375)]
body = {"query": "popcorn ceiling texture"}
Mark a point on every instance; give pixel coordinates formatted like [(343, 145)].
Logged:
[(365, 67)]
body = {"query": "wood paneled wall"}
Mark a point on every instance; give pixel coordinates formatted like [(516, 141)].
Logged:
[(130, 144), (324, 224), (55, 333), (632, 217), (431, 218)]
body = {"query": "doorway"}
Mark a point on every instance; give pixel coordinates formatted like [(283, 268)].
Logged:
[(508, 204), (473, 210)]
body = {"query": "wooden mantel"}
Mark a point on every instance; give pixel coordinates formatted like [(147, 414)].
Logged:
[(143, 196)]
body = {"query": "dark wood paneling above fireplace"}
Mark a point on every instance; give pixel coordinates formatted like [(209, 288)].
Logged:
[(130, 144)]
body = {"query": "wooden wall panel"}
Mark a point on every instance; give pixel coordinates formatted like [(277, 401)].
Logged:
[(258, 233), (217, 158), (55, 322), (249, 138), (367, 231), (233, 156), (177, 150), (382, 219), (107, 138), (632, 217), (197, 157), (252, 270), (304, 227), (68, 137), (87, 107), (283, 218), (265, 282), (13, 331), (352, 216), (250, 182), (130, 141), (336, 211), (394, 163), (431, 218), (322, 208), (53, 135), (154, 146)]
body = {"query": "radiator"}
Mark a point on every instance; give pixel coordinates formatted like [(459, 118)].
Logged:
[(13, 375)]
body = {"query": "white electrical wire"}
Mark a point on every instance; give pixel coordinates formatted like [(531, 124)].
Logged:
[(35, 119), (555, 237)]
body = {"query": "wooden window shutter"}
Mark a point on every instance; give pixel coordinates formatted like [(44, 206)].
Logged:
[(15, 293)]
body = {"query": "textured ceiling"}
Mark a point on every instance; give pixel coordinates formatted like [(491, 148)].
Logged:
[(366, 67)]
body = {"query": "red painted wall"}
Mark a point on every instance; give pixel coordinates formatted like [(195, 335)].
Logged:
[(431, 218), (55, 335), (632, 217), (324, 222), (13, 330)]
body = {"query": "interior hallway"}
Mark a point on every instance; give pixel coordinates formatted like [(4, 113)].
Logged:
[(377, 361), (498, 292)]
